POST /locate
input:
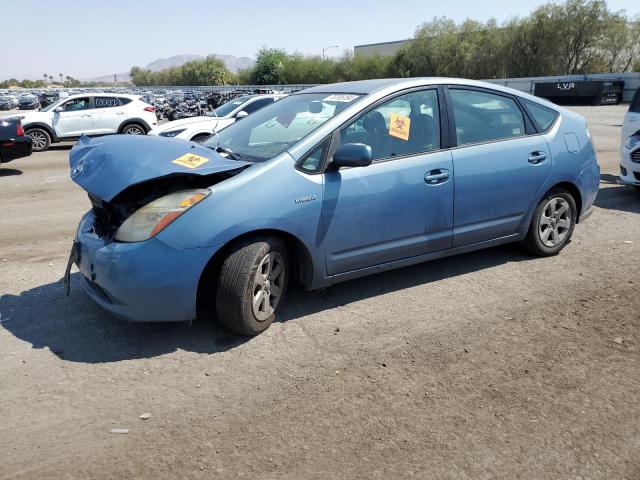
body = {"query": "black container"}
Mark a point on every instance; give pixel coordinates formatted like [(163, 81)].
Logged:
[(608, 92)]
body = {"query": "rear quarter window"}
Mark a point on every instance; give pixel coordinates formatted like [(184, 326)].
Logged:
[(124, 101), (543, 117)]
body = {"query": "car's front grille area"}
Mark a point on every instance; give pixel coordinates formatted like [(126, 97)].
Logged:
[(635, 156), (107, 218)]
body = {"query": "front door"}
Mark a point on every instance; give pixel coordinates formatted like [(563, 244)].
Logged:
[(401, 205), (75, 119)]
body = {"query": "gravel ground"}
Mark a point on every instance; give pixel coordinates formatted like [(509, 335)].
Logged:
[(488, 365)]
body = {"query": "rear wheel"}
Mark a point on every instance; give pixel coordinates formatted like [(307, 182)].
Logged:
[(552, 223), (252, 285), (40, 139), (133, 129)]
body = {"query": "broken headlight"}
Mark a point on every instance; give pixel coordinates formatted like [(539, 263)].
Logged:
[(154, 217)]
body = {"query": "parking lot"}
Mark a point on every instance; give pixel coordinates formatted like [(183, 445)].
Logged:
[(493, 364)]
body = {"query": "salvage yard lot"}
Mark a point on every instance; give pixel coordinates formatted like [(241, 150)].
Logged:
[(490, 364)]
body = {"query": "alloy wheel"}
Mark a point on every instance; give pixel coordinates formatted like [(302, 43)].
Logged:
[(268, 285), (133, 130), (555, 222), (38, 139)]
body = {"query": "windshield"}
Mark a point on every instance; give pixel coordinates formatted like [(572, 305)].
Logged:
[(271, 130), (226, 108), (52, 106)]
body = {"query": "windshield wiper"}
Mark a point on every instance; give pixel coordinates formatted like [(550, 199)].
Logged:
[(232, 155)]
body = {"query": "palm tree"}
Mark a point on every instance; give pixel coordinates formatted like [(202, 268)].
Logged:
[(60, 77), (50, 78), (45, 76), (68, 79)]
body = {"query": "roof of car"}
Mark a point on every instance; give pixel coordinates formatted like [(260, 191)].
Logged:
[(366, 87), (94, 94)]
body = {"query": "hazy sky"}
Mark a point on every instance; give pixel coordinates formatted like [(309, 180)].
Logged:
[(91, 38)]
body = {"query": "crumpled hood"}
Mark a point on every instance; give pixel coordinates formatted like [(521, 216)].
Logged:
[(105, 166)]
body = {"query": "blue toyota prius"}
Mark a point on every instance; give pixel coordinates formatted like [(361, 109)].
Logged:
[(331, 183)]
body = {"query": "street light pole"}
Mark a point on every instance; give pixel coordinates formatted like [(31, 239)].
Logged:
[(327, 48)]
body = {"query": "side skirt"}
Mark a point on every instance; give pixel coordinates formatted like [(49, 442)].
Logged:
[(363, 272)]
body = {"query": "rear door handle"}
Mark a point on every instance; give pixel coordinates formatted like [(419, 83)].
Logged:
[(537, 157), (435, 177), (85, 116), (119, 113)]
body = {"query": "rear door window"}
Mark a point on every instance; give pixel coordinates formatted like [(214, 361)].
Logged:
[(485, 117), (106, 102)]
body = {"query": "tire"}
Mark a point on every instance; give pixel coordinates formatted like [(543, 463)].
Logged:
[(40, 139), (552, 224), (247, 300), (637, 187), (133, 129)]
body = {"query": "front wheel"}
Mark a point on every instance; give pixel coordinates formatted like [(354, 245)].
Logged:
[(252, 285), (552, 224), (40, 139)]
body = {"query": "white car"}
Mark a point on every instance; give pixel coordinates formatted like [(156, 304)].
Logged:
[(198, 128), (630, 151), (89, 114)]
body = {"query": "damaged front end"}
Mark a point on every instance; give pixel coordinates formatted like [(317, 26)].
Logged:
[(125, 174), (137, 186)]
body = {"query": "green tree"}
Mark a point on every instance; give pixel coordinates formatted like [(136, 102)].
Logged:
[(269, 67)]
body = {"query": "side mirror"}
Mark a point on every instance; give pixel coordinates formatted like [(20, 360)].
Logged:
[(58, 109), (352, 155), (241, 114)]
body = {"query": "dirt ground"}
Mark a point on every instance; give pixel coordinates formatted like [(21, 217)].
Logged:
[(487, 365)]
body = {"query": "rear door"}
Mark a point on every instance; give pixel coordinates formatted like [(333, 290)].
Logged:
[(499, 164), (108, 114), (75, 119)]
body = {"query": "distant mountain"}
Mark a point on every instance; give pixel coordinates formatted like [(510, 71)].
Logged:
[(177, 60)]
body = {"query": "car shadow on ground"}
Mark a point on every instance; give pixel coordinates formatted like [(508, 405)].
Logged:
[(617, 197), (9, 172), (77, 330)]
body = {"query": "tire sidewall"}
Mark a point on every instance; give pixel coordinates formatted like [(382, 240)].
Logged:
[(268, 245), (534, 233)]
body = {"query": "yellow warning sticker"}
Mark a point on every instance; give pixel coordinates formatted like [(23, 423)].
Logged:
[(190, 160), (399, 126)]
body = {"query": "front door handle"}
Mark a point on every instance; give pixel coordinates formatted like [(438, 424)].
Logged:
[(435, 177), (85, 116), (537, 157)]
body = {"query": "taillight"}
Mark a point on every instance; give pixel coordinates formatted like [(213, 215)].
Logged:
[(150, 109), (19, 130)]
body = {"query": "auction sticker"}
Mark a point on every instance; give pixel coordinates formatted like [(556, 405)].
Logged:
[(399, 126), (340, 97), (190, 160)]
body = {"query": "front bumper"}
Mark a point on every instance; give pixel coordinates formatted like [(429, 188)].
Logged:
[(629, 169), (143, 282)]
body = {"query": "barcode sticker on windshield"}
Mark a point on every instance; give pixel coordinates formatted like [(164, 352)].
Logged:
[(340, 97), (190, 160)]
